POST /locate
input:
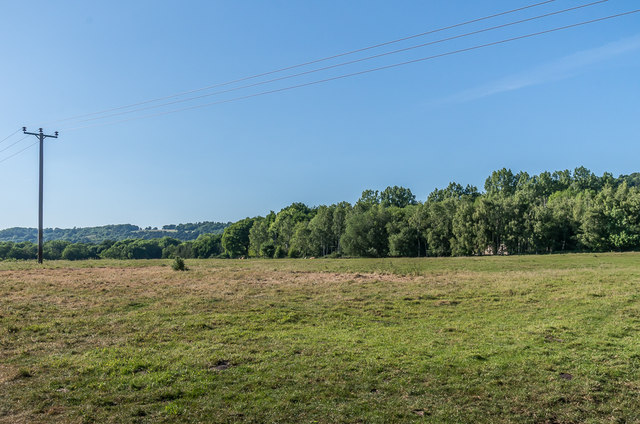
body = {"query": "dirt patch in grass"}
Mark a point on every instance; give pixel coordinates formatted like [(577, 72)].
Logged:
[(7, 373), (220, 365)]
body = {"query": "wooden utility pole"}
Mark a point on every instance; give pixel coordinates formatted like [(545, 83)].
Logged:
[(41, 136)]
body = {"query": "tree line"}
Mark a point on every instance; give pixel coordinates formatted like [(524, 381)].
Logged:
[(562, 211), (206, 246), (95, 235)]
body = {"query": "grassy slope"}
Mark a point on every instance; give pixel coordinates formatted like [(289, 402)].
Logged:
[(512, 339)]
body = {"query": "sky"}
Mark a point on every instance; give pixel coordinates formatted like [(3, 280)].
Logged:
[(554, 101)]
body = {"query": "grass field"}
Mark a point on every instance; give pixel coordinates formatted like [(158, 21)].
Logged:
[(532, 339)]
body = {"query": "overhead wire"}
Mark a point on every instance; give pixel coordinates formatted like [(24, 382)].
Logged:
[(450, 53), (442, 40), (311, 62), (9, 136), (18, 152), (13, 144)]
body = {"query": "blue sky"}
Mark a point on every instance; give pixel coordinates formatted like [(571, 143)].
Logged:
[(555, 101)]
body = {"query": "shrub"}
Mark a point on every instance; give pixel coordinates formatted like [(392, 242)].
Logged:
[(267, 250), (178, 264), (279, 252), (74, 252)]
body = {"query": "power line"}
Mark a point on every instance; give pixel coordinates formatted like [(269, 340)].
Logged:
[(9, 136), (18, 152), (450, 53), (188, 99), (13, 144), (41, 137), (386, 43)]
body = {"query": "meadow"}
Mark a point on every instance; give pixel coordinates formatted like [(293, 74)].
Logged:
[(520, 339)]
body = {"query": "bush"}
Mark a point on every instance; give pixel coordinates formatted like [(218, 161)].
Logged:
[(207, 245), (75, 252), (267, 250), (294, 253), (184, 250), (279, 252), (178, 264)]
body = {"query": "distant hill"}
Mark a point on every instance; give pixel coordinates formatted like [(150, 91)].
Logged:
[(118, 232)]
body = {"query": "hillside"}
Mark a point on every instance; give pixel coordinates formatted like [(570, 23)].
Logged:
[(183, 232)]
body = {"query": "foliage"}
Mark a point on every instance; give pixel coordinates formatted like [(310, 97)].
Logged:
[(178, 264), (399, 197), (53, 249), (119, 232), (366, 233), (283, 227), (207, 246), (518, 213), (74, 252), (235, 239), (261, 242)]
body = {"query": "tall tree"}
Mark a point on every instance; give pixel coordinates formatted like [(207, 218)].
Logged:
[(207, 245), (321, 232), (235, 239), (339, 223), (463, 227), (501, 182), (404, 237), (366, 233), (261, 243), (283, 227), (439, 231), (399, 197)]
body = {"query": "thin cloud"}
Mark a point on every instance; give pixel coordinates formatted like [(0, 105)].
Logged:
[(560, 69)]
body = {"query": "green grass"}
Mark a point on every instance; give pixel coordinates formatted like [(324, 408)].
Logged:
[(491, 339)]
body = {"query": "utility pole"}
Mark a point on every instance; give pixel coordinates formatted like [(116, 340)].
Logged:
[(41, 136)]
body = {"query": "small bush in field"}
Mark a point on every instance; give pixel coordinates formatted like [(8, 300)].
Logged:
[(178, 264)]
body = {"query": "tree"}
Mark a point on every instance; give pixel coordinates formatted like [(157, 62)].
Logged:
[(260, 239), (368, 199), (23, 250), (439, 229), (5, 248), (584, 179), (235, 239), (399, 197), (463, 228), (133, 249), (501, 182), (489, 223), (301, 242), (116, 250), (284, 225), (339, 223), (75, 252), (611, 220), (632, 180), (453, 191), (183, 250), (207, 246), (404, 237), (555, 226), (165, 242), (366, 233), (144, 249), (53, 249), (320, 228)]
